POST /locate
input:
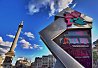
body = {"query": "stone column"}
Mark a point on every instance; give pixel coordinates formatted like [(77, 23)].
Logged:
[(10, 54), (16, 37)]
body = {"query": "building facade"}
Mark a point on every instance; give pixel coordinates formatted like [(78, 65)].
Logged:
[(38, 62), (44, 62), (22, 63)]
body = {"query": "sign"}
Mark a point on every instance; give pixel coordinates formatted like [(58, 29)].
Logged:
[(78, 44), (77, 38), (74, 17)]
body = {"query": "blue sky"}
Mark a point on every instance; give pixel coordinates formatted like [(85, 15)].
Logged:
[(36, 14)]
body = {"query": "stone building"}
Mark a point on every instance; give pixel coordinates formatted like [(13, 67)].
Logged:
[(22, 63), (1, 61), (44, 62)]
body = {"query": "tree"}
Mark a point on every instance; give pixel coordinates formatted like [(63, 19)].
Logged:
[(95, 56)]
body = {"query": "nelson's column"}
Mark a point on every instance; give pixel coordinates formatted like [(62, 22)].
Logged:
[(10, 54)]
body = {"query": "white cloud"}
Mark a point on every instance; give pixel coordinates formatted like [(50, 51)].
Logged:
[(31, 47), (40, 48), (4, 46), (1, 40), (55, 5), (25, 44), (74, 5), (29, 34), (33, 9), (52, 8), (62, 4), (6, 43), (35, 6), (3, 50), (58, 5), (35, 46), (11, 36)]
